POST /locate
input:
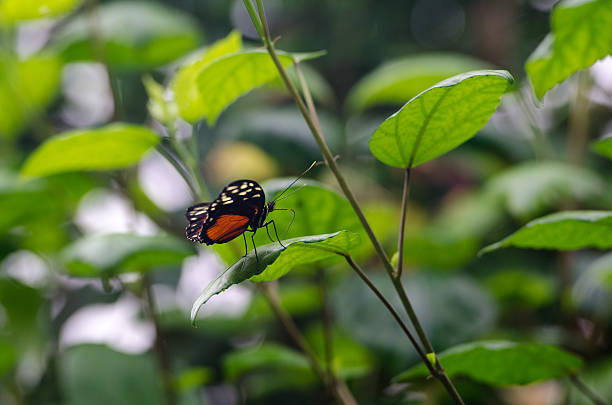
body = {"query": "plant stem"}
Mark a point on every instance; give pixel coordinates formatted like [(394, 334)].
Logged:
[(337, 387), (540, 142), (178, 166), (578, 134), (161, 351), (331, 163), (400, 241), (588, 392)]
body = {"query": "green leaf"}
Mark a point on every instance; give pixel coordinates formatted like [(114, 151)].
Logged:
[(192, 378), (97, 375), (603, 146), (110, 254), (298, 299), (436, 247), (191, 104), (159, 106), (26, 88), (8, 357), (350, 359), (530, 188), (440, 118), (581, 34), (502, 363), (133, 35), (521, 289), (14, 11), (276, 261), (268, 355), (568, 230), (111, 147), (225, 79), (396, 81)]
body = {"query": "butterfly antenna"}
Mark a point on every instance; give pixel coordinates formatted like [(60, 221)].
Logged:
[(294, 181)]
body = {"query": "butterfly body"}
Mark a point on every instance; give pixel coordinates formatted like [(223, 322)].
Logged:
[(241, 206)]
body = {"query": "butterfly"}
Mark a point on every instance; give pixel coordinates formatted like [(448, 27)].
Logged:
[(240, 207)]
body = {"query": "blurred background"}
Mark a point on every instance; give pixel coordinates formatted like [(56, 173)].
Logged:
[(112, 331)]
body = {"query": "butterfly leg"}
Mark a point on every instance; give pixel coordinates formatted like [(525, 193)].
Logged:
[(275, 232), (246, 248), (255, 248)]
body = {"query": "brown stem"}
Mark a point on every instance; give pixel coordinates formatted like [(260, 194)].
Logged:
[(587, 391), (159, 346), (340, 392)]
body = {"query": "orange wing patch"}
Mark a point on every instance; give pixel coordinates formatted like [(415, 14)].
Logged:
[(227, 227)]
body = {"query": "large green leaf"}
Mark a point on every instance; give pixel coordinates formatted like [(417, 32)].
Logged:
[(568, 230), (110, 147), (8, 357), (273, 261), (530, 188), (191, 104), (14, 11), (26, 88), (107, 255), (397, 81), (265, 356), (226, 78), (603, 146), (581, 34), (132, 35), (440, 118), (97, 375), (502, 363)]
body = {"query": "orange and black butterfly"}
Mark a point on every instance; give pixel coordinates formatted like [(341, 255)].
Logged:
[(240, 207)]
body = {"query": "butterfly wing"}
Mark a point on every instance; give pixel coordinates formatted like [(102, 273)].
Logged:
[(239, 205)]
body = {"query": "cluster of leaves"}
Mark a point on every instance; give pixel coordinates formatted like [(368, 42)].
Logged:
[(448, 100)]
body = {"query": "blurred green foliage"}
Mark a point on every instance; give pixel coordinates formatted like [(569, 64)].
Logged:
[(117, 115)]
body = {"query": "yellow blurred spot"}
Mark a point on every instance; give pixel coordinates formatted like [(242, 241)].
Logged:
[(240, 160)]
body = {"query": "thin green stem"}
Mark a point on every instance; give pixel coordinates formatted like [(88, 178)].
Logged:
[(400, 241), (587, 391), (337, 387), (162, 149), (331, 163), (578, 134), (251, 10), (159, 346)]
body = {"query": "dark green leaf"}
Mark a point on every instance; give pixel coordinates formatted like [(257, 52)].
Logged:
[(192, 378), (110, 254), (133, 35), (97, 375), (110, 147), (530, 188), (502, 363), (298, 299), (14, 11), (397, 81), (228, 77), (581, 34), (438, 248), (350, 359), (8, 357), (268, 355), (440, 118), (520, 289), (604, 146), (192, 105), (568, 230), (276, 261)]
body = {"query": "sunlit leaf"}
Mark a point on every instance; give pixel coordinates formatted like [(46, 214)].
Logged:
[(440, 118), (192, 378), (396, 81), (530, 188), (502, 363), (26, 88), (110, 147), (265, 356), (190, 102), (97, 375), (568, 230), (160, 107), (14, 11), (109, 254), (581, 33), (225, 79), (132, 35), (603, 146), (273, 261)]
